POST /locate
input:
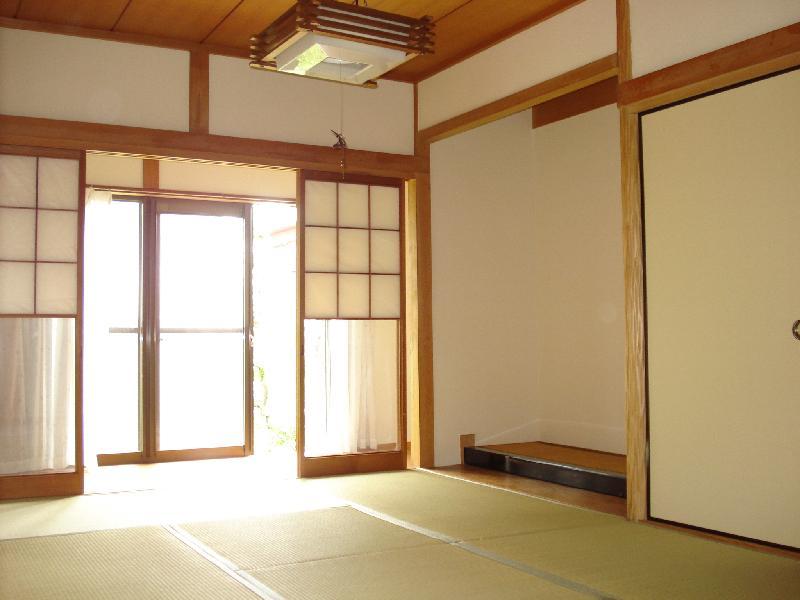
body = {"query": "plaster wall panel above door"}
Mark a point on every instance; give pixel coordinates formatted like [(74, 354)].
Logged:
[(722, 211)]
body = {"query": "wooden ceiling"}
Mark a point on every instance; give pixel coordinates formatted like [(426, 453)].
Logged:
[(463, 27)]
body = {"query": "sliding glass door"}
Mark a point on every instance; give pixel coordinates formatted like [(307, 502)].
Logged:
[(201, 329), (177, 342)]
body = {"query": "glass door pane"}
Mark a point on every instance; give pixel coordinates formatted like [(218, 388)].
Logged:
[(112, 328), (201, 366)]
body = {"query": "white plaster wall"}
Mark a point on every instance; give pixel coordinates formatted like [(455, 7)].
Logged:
[(80, 79), (573, 38), (123, 171), (666, 33), (578, 305), (224, 179), (483, 332), (246, 102)]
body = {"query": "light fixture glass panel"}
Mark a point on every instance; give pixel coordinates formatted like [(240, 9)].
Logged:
[(16, 288), (384, 207), (385, 252), (17, 234), (58, 183), (320, 203), (320, 249), (353, 251), (56, 289), (321, 295), (57, 237), (353, 205), (17, 180), (385, 296), (354, 296)]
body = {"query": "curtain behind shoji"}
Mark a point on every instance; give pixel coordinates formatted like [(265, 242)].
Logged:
[(37, 388)]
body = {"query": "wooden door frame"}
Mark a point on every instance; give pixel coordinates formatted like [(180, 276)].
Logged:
[(390, 460), (151, 208), (58, 484)]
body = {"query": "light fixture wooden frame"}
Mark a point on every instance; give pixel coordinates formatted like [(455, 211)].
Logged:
[(343, 21)]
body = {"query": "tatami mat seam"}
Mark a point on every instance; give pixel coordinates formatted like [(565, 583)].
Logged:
[(453, 542), (233, 571)]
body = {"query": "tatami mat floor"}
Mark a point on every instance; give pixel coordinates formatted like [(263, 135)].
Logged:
[(390, 535)]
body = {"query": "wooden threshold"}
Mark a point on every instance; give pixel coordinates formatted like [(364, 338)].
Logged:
[(135, 458), (36, 486), (369, 462)]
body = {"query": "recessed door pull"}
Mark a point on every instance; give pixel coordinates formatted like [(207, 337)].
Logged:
[(796, 330)]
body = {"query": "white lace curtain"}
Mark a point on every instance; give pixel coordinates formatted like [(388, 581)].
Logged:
[(350, 386), (37, 395)]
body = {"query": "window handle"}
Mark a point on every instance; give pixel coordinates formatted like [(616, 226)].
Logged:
[(796, 330)]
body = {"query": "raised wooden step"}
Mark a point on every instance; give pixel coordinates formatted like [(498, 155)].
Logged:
[(575, 467)]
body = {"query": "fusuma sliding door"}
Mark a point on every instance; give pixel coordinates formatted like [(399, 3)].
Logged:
[(41, 216), (721, 183), (351, 416)]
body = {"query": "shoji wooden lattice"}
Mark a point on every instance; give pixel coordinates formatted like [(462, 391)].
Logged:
[(39, 229), (353, 241)]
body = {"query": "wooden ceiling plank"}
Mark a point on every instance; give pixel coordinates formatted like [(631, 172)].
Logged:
[(118, 36), (222, 20), (189, 20), (249, 18), (94, 14)]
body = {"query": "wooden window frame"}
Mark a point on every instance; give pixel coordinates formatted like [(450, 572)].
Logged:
[(149, 328), (71, 483), (380, 460)]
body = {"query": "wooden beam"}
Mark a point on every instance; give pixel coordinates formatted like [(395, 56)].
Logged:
[(758, 56), (150, 174), (576, 79), (51, 133), (589, 98), (198, 92), (425, 457), (632, 251), (119, 36)]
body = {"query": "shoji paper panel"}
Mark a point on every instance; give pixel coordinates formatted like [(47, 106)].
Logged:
[(17, 234), (58, 183), (39, 206), (352, 230), (17, 180), (16, 288)]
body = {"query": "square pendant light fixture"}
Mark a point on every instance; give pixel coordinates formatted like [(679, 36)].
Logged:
[(342, 42)]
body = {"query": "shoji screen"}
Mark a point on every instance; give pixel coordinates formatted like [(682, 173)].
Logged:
[(352, 310), (722, 216), (39, 213), (40, 256), (352, 251)]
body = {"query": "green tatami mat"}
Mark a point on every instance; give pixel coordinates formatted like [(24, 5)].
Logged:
[(120, 564), (641, 561), (299, 537), (459, 509), (438, 572)]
